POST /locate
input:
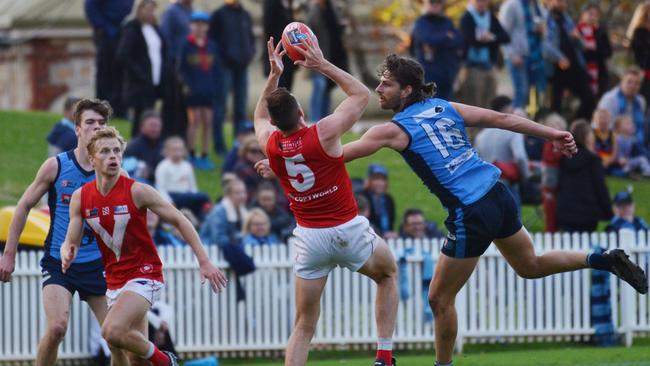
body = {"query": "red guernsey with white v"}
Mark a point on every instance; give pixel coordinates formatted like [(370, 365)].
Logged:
[(128, 252)]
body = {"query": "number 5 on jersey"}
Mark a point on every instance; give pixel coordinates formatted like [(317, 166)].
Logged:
[(302, 178)]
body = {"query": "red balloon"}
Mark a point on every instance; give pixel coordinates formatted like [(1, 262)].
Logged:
[(293, 36)]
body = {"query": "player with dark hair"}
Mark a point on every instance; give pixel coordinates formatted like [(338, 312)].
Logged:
[(309, 162), (59, 176), (430, 135), (115, 207)]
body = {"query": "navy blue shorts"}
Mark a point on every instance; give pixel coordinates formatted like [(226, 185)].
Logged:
[(86, 278), (472, 228)]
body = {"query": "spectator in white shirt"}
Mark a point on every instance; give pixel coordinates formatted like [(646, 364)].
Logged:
[(175, 178)]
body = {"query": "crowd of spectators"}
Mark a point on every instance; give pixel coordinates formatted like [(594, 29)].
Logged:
[(172, 79)]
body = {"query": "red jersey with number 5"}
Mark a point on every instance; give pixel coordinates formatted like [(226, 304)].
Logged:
[(128, 252), (317, 185)]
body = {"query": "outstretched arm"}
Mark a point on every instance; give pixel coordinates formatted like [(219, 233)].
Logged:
[(45, 176), (481, 117), (350, 110), (263, 126), (70, 246), (384, 135), (145, 196)]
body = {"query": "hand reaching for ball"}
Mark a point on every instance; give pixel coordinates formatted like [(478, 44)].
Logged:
[(313, 56), (275, 57)]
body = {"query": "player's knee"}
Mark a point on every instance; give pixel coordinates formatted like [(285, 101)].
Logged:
[(57, 331), (306, 323), (529, 271), (439, 304), (113, 334)]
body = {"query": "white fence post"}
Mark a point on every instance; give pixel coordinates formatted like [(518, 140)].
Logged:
[(627, 241)]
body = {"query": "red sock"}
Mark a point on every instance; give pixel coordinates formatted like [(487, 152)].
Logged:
[(158, 358), (386, 356)]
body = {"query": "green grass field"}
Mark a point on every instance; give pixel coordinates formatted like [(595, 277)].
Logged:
[(535, 354), (22, 138)]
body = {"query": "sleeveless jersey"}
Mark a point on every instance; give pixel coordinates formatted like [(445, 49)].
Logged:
[(70, 176), (317, 185), (440, 154), (128, 252)]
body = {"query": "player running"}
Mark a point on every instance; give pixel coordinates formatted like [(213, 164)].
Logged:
[(430, 135), (115, 207), (59, 176), (309, 162)]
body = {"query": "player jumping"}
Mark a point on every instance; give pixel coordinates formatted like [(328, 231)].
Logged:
[(309, 163)]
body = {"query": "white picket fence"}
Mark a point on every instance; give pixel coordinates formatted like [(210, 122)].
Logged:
[(495, 305)]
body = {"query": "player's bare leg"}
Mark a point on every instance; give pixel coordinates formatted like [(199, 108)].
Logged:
[(308, 294), (122, 328), (382, 269), (518, 250), (56, 301), (451, 274), (100, 308), (135, 360)]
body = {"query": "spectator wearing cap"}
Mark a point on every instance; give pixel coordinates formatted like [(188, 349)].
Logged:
[(382, 205), (62, 136), (624, 214), (244, 131), (198, 68)]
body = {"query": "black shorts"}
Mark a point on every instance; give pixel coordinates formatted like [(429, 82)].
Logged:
[(86, 278), (472, 228)]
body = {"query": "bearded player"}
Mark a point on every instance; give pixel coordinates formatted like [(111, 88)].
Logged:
[(115, 207), (309, 162)]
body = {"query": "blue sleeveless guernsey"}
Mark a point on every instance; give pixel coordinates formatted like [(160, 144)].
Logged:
[(440, 154), (70, 176)]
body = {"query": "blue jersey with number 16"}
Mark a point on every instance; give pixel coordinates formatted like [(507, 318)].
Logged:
[(441, 155)]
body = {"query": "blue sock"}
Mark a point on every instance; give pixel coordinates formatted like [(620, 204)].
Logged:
[(597, 261), (445, 364)]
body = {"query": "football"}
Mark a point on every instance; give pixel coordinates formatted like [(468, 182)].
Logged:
[(293, 36)]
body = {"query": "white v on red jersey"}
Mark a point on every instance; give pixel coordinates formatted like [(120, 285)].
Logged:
[(128, 252), (317, 185)]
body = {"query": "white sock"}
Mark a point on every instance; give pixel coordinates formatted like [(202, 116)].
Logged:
[(385, 344), (150, 352)]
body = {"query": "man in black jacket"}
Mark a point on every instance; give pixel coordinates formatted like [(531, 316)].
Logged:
[(276, 15), (231, 28)]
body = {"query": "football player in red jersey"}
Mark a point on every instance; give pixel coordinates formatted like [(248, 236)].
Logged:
[(115, 207), (309, 162)]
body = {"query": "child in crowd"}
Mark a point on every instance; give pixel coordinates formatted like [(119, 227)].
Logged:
[(605, 141), (630, 157), (550, 174), (257, 229), (175, 178), (198, 71), (382, 205)]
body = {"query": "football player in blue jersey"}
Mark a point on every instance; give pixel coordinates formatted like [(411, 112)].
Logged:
[(430, 135), (60, 176)]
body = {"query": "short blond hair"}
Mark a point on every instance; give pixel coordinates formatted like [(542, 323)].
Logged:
[(105, 133), (246, 228)]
